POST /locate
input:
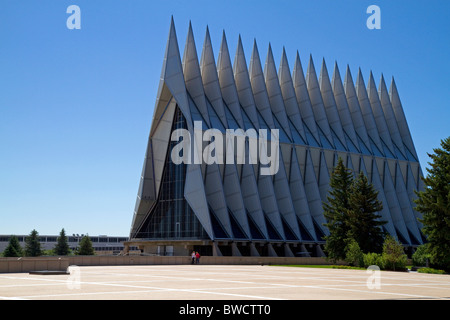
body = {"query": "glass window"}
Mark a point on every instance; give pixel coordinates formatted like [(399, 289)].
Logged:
[(311, 140), (387, 152), (296, 135), (337, 141), (263, 125), (172, 217), (232, 123), (362, 145), (319, 233), (375, 149), (398, 152), (273, 234), (214, 118), (262, 122), (218, 229), (409, 154), (195, 114), (283, 136), (287, 230), (306, 236), (247, 122), (325, 142), (256, 233), (351, 146), (238, 233)]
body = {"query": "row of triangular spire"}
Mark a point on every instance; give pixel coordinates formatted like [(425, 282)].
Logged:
[(333, 109), (319, 101)]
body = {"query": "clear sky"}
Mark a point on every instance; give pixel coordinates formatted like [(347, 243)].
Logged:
[(76, 105)]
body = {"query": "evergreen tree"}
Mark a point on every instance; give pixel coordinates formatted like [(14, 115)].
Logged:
[(336, 212), (62, 247), (353, 255), (13, 249), (394, 257), (32, 245), (363, 220), (421, 256), (86, 248), (434, 204)]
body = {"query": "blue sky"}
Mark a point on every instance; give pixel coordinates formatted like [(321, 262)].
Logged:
[(76, 105)]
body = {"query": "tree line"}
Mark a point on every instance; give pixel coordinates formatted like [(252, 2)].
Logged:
[(33, 246), (355, 227)]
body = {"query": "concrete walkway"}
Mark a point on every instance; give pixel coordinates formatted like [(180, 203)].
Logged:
[(209, 282)]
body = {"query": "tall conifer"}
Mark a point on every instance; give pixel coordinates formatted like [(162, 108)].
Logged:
[(13, 249), (336, 212), (33, 245), (62, 246), (434, 203), (363, 218)]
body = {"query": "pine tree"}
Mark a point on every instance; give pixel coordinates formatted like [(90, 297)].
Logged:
[(394, 257), (86, 248), (32, 245), (62, 247), (434, 204), (13, 249), (336, 212), (363, 218)]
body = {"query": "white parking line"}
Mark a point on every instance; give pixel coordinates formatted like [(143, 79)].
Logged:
[(247, 279), (143, 287)]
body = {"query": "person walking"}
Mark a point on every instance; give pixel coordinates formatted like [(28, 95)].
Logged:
[(197, 257), (193, 257)]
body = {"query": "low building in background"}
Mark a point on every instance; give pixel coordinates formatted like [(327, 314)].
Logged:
[(103, 245)]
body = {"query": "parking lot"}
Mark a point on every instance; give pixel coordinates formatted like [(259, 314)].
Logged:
[(222, 282)]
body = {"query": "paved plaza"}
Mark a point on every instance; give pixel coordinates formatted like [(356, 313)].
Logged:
[(222, 282)]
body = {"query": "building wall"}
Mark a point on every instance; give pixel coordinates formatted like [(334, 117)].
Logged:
[(16, 265)]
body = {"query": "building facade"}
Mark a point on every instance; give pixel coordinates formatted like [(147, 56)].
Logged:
[(230, 207)]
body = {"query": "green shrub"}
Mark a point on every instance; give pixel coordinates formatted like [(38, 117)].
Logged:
[(372, 258), (421, 256), (394, 257), (345, 267), (430, 270), (354, 255)]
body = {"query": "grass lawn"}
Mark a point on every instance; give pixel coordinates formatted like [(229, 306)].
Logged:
[(420, 270), (318, 266)]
